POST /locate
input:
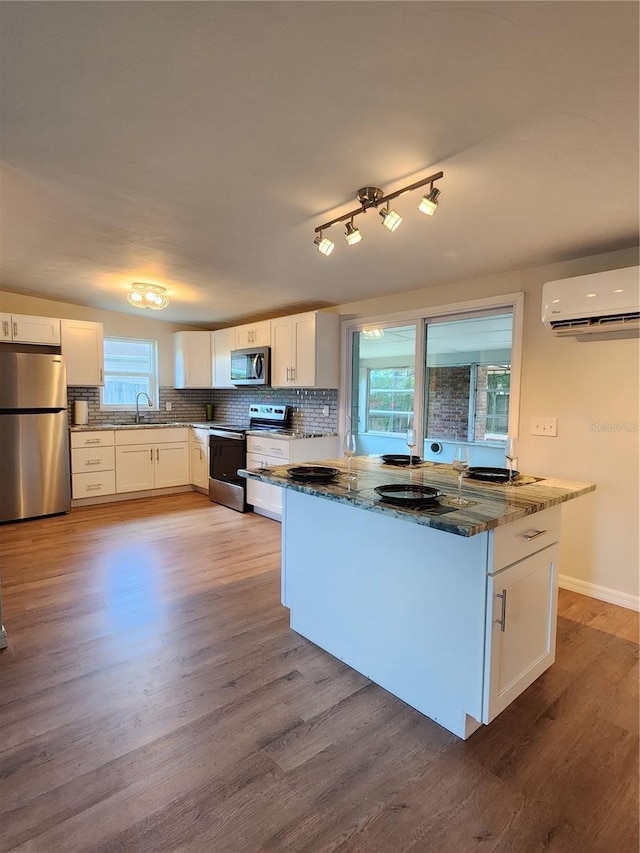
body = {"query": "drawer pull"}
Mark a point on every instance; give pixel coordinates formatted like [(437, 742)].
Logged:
[(94, 487), (93, 462), (93, 441), (502, 621), (530, 536)]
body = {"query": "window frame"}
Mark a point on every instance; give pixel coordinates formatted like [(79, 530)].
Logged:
[(152, 376), (409, 412), (513, 301)]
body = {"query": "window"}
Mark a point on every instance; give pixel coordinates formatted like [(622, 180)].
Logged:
[(390, 399), (468, 378), (130, 366)]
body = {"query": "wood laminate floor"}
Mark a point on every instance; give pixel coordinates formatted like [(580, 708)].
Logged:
[(153, 698)]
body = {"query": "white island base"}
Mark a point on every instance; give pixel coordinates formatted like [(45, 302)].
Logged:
[(455, 626)]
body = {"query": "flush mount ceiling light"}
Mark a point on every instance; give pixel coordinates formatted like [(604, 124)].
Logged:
[(374, 197), (143, 295), (373, 334)]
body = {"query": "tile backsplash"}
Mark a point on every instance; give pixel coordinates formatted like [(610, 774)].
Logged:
[(230, 406)]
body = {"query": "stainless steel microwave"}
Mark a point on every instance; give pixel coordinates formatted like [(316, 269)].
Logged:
[(251, 366)]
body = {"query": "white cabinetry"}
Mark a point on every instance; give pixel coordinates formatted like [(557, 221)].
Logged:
[(92, 464), (199, 457), (253, 334), (5, 327), (268, 450), (522, 605), (25, 329), (83, 350), (151, 459), (222, 342), (305, 351), (192, 359)]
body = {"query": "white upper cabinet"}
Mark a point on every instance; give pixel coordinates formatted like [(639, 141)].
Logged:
[(305, 351), (253, 335), (222, 342), (83, 351), (24, 329), (5, 327), (192, 359)]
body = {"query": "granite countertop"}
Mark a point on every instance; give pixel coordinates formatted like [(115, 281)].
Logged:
[(492, 504), (285, 433)]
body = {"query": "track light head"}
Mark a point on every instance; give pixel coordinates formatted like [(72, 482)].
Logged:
[(391, 219), (352, 234), (324, 245), (430, 202)]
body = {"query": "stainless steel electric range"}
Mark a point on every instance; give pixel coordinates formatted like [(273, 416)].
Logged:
[(228, 452)]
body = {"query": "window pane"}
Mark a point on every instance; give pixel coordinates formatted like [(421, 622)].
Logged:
[(130, 367), (467, 379), (382, 399)]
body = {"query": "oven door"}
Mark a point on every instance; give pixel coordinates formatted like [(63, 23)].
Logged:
[(227, 453)]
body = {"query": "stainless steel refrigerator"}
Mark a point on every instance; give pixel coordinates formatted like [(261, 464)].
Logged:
[(34, 436)]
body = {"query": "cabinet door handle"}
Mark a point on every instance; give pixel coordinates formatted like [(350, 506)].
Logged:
[(293, 374), (15, 330), (530, 536), (502, 621), (150, 451), (101, 376), (157, 454), (186, 377), (5, 326)]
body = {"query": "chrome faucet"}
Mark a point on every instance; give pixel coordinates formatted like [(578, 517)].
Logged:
[(138, 395)]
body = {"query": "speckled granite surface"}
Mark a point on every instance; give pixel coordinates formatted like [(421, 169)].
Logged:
[(284, 433), (493, 504)]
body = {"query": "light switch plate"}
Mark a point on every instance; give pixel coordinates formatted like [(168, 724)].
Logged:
[(544, 426)]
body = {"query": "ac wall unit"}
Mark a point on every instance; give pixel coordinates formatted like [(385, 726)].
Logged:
[(599, 306)]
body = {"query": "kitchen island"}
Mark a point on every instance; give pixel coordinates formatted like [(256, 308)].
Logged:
[(453, 610)]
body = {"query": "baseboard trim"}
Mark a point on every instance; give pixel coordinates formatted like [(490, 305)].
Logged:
[(603, 593), (130, 496)]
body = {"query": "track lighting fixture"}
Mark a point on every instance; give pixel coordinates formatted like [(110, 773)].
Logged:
[(352, 234), (429, 202), (324, 245), (373, 197)]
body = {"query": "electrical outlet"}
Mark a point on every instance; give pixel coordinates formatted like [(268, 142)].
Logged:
[(325, 411), (167, 406), (544, 426)]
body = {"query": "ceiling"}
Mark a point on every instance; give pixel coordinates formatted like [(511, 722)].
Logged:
[(197, 145)]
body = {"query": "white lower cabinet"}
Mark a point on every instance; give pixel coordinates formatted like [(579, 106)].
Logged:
[(92, 464), (522, 607), (199, 458), (151, 459), (267, 451)]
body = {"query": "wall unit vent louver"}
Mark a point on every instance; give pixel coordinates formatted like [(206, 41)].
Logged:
[(599, 306)]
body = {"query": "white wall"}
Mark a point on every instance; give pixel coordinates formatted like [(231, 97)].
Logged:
[(115, 324), (581, 384)]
